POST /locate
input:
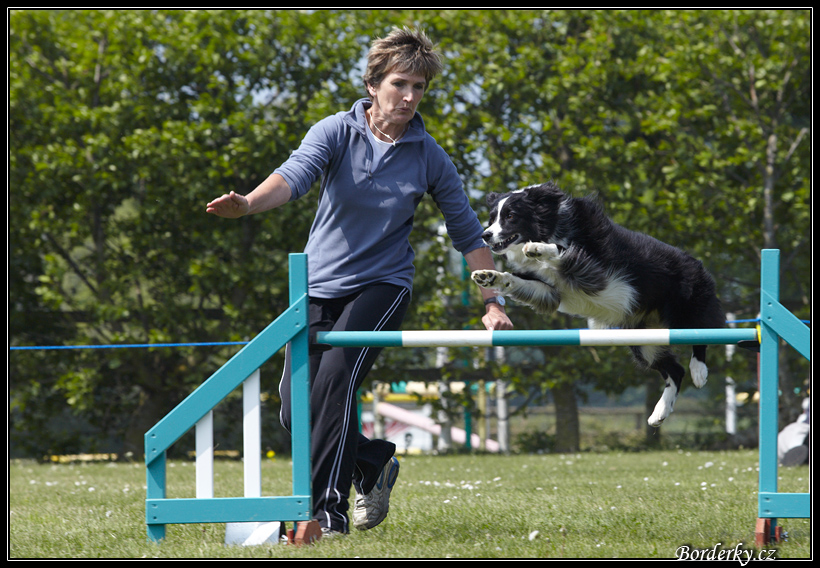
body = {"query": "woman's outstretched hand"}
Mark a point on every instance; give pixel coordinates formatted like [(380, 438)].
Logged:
[(231, 205)]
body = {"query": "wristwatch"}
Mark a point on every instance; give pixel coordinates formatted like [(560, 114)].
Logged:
[(495, 300)]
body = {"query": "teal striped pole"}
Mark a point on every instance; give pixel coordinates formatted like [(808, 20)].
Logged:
[(583, 337)]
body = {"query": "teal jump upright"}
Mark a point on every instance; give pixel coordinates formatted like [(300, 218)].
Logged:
[(291, 327), (776, 323)]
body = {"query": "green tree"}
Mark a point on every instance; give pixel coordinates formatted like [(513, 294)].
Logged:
[(123, 124), (688, 125), (692, 126)]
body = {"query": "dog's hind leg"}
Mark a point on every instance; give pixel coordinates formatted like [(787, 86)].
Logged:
[(697, 365), (672, 373)]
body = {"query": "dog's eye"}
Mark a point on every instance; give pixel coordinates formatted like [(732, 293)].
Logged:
[(509, 216)]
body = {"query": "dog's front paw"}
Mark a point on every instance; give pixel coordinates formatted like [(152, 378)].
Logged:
[(540, 251), (489, 278)]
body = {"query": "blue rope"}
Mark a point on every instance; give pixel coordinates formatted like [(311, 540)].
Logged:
[(127, 346)]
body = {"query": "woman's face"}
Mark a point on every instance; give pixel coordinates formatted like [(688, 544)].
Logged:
[(395, 99)]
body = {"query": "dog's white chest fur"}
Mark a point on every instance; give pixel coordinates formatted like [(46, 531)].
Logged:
[(613, 306), (606, 309)]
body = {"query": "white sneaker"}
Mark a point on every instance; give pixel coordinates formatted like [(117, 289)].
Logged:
[(371, 509)]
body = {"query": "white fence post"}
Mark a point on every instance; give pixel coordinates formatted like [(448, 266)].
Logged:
[(251, 534), (205, 456)]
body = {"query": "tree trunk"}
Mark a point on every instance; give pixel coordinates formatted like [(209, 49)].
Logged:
[(567, 429), (146, 417)]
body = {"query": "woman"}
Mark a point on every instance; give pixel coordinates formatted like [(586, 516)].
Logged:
[(376, 162)]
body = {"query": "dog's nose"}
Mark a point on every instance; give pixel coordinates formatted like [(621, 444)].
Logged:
[(487, 236)]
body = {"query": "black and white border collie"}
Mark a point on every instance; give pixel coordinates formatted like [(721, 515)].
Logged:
[(566, 255)]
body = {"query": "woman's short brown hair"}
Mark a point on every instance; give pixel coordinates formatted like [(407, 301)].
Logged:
[(402, 51)]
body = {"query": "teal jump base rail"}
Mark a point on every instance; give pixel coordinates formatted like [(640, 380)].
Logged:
[(292, 327)]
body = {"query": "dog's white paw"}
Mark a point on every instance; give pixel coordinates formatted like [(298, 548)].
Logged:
[(699, 372), (665, 405), (540, 251), (660, 414), (487, 278)]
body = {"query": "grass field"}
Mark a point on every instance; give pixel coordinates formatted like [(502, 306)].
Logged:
[(587, 505)]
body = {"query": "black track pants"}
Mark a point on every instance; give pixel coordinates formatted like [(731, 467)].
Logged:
[(340, 454)]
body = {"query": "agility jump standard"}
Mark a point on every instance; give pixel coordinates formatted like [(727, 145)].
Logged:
[(292, 327)]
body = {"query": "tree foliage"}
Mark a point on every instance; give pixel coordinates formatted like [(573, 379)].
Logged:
[(691, 125)]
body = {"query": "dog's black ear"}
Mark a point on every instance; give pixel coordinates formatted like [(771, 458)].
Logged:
[(492, 199), (546, 190)]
